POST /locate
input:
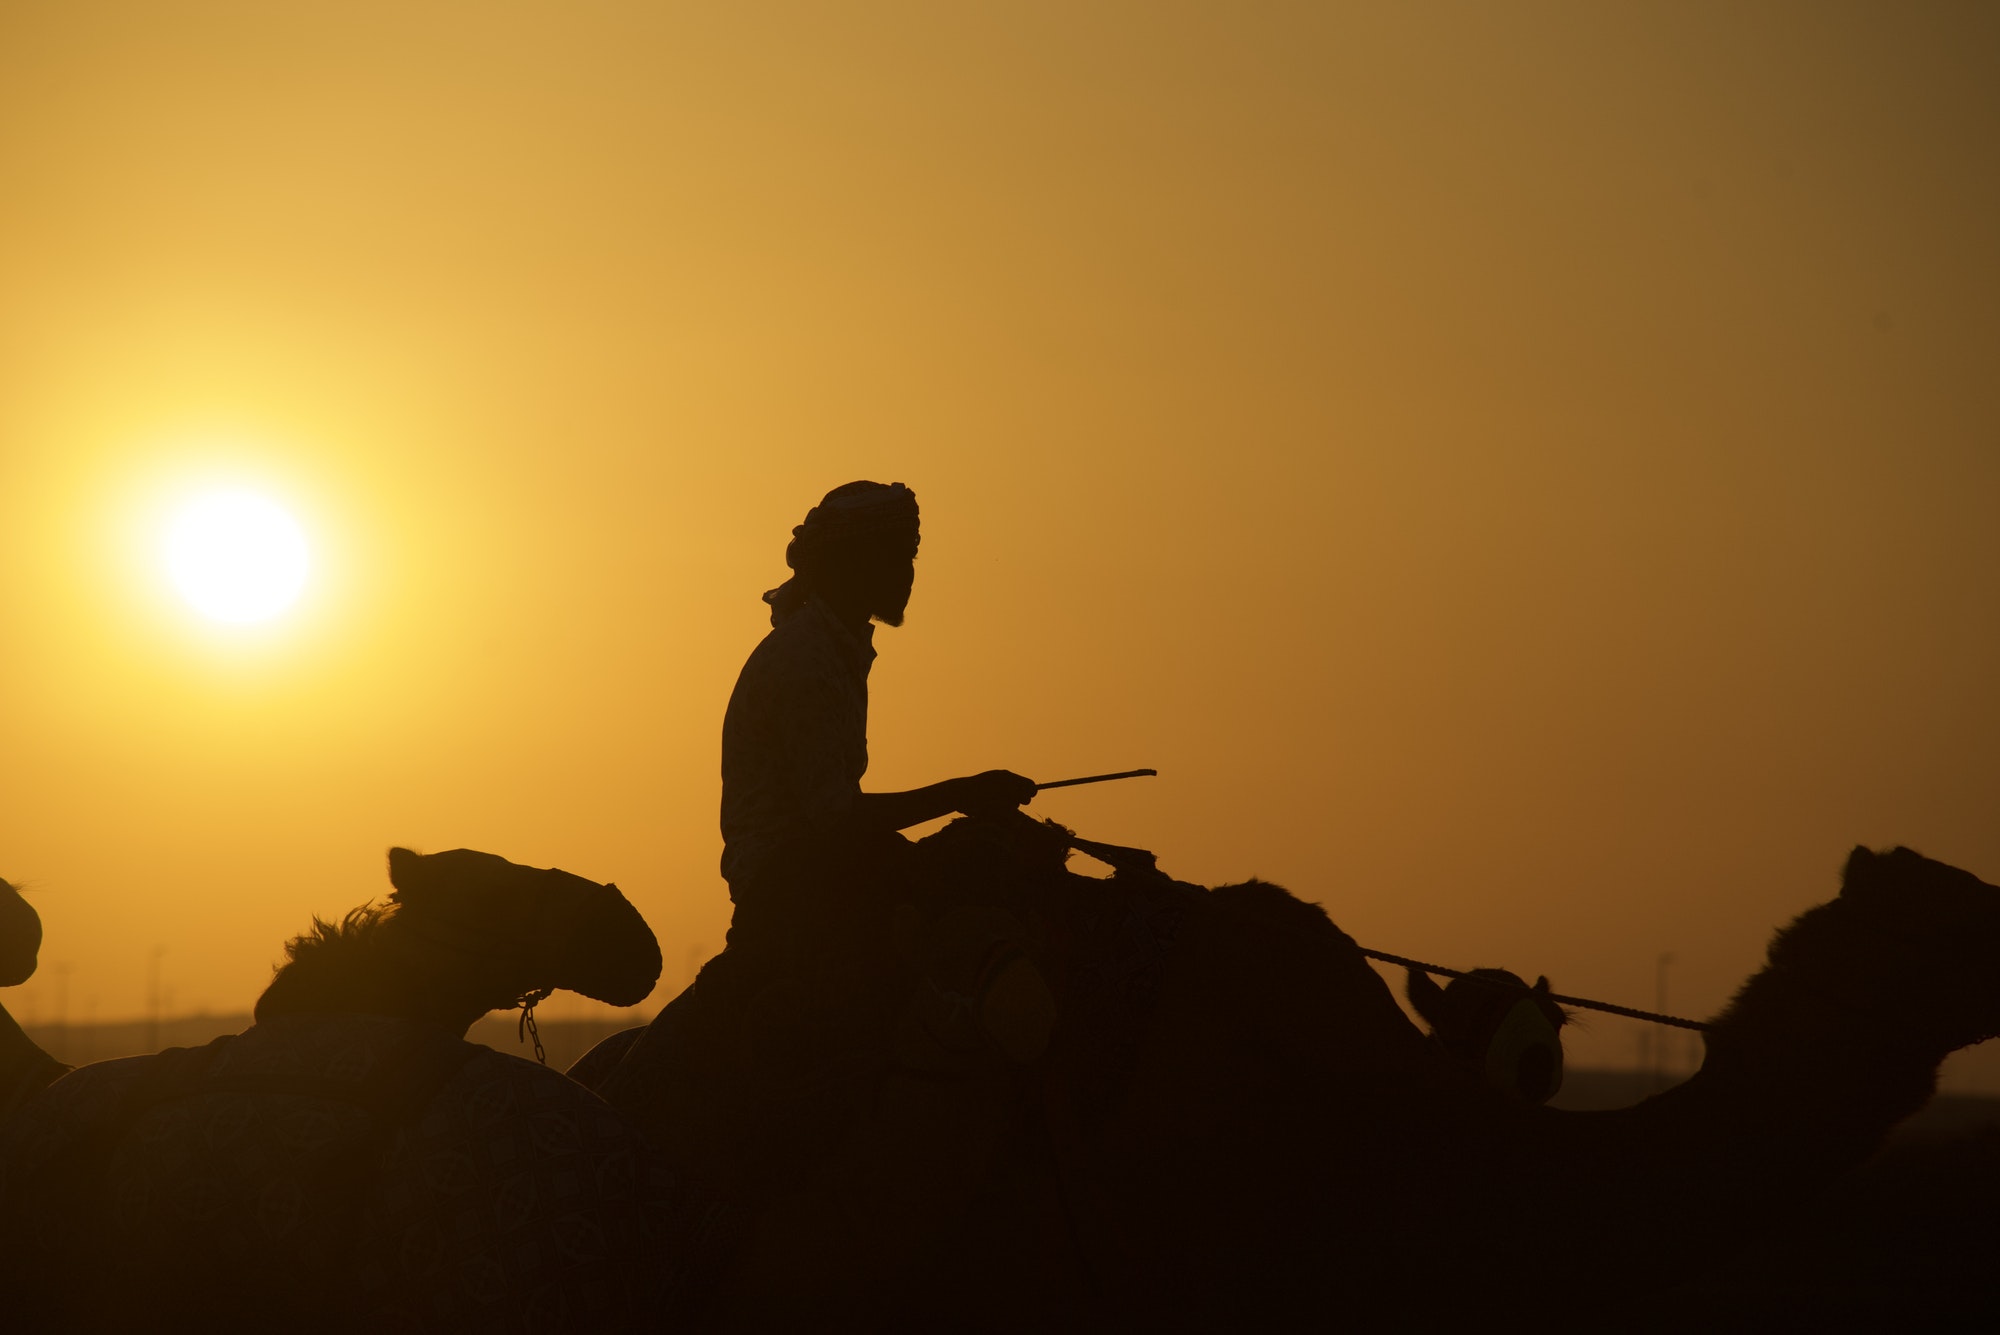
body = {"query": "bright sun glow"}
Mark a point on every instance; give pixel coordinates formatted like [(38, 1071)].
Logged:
[(236, 557)]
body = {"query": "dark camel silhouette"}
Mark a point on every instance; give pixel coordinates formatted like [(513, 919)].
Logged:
[(350, 1162), (1230, 1124), (1236, 1127)]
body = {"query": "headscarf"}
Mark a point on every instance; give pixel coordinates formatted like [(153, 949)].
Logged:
[(853, 515)]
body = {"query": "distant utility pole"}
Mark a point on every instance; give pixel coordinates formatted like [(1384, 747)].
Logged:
[(61, 972), (153, 999), (1660, 1005)]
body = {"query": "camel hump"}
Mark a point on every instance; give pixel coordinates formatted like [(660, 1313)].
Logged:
[(1275, 906)]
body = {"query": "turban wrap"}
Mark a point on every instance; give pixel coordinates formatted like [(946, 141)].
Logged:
[(852, 517)]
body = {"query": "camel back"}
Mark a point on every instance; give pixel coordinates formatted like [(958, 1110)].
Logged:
[(315, 1173)]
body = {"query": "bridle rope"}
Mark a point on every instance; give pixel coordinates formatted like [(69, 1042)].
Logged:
[(1651, 1017)]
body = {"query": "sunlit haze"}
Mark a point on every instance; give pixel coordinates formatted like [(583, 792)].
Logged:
[(1524, 474)]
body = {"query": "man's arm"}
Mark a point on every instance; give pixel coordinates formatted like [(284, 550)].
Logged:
[(994, 790)]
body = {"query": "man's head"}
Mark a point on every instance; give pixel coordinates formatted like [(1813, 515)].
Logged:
[(857, 549)]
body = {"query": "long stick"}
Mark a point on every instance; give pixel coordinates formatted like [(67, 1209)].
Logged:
[(1097, 778)]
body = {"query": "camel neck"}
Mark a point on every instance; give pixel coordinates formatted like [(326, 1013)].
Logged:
[(24, 1067), (1842, 1092), (14, 1041)]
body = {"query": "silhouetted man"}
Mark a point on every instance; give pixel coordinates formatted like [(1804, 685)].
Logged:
[(800, 837)]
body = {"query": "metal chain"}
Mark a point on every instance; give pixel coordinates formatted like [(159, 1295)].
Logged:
[(527, 1029)]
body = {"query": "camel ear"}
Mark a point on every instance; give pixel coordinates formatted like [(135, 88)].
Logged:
[(1424, 994), (1862, 873), (1554, 1014), (406, 868)]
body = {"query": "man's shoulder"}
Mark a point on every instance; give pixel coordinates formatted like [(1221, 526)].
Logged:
[(794, 649), (790, 641)]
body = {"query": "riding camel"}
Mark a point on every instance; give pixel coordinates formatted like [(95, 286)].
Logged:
[(350, 1162), (1233, 1125)]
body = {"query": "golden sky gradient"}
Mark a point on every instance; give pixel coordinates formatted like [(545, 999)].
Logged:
[(1526, 475)]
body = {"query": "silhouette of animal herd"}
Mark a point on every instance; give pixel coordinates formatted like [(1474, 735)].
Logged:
[(1039, 1101)]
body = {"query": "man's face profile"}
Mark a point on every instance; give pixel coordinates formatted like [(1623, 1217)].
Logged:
[(889, 574)]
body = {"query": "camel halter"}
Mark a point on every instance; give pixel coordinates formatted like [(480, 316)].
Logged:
[(527, 1030)]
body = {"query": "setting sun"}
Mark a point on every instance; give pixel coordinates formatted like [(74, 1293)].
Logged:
[(236, 556)]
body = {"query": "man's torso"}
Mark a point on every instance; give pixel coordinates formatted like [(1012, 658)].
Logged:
[(795, 738)]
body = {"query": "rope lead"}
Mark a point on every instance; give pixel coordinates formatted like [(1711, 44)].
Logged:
[(1653, 1017)]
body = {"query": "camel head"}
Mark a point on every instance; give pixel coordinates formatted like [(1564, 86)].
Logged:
[(465, 933), (20, 937), (1938, 928), (1492, 1021), (1874, 988), (542, 928)]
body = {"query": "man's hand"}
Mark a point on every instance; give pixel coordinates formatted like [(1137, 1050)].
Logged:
[(995, 790)]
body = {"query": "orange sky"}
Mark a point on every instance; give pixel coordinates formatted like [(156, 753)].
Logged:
[(1525, 475)]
